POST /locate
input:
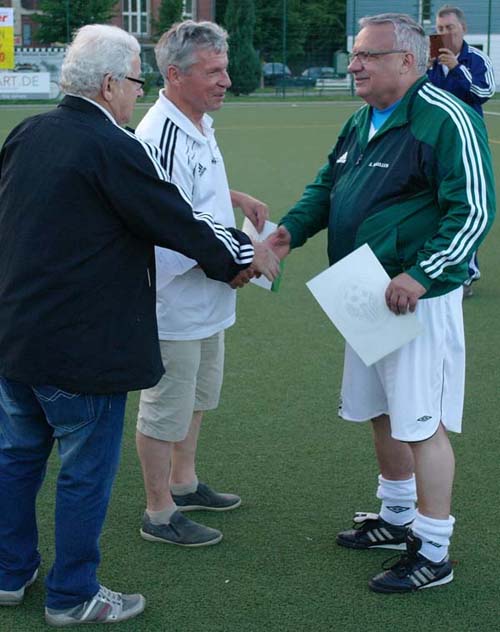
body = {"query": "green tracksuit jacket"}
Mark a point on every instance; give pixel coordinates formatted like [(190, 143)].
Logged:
[(420, 192)]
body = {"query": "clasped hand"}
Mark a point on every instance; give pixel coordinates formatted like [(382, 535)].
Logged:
[(268, 254)]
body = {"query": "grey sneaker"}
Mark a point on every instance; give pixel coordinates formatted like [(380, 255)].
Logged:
[(180, 530), (105, 607), (206, 498), (15, 597)]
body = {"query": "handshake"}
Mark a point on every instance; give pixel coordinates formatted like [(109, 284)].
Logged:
[(267, 257)]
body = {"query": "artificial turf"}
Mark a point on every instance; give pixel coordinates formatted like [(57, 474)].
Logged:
[(276, 440)]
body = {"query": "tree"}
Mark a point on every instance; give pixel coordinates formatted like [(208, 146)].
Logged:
[(60, 18), (325, 27), (315, 29), (269, 30), (244, 65), (169, 13), (220, 11)]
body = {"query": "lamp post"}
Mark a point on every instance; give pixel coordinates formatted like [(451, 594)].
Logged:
[(284, 46), (353, 32), (353, 21), (67, 22), (489, 29)]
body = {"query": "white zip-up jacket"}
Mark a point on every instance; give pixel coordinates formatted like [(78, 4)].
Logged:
[(189, 305)]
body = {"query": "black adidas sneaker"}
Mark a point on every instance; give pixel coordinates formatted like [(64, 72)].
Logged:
[(412, 571), (371, 532)]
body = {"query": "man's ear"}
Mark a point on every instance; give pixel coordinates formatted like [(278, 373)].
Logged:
[(106, 87), (173, 75), (408, 63)]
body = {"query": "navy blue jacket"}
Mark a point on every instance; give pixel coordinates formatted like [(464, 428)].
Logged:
[(472, 80), (82, 203)]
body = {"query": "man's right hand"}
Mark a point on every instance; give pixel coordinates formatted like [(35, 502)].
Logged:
[(265, 261), (448, 58), (279, 242)]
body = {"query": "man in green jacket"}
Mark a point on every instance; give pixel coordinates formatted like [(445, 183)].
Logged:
[(410, 176)]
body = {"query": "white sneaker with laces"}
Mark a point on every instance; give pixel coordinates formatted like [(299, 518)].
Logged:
[(106, 606)]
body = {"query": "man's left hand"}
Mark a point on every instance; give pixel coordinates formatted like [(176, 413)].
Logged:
[(448, 58), (256, 211), (403, 293), (242, 278)]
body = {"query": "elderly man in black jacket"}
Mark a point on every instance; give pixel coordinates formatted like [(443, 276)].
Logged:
[(82, 203)]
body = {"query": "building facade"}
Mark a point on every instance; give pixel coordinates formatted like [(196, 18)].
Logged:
[(483, 20), (135, 16), (24, 25)]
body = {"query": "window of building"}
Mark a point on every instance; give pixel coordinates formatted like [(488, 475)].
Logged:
[(27, 34), (188, 9), (136, 16), (425, 10)]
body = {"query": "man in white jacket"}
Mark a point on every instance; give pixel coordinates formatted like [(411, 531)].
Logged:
[(193, 311)]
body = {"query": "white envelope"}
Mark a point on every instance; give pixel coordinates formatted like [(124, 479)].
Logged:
[(352, 294)]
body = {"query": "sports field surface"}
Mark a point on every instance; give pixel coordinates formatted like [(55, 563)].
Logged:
[(276, 440)]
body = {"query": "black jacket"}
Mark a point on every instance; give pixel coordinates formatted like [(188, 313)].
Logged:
[(82, 202)]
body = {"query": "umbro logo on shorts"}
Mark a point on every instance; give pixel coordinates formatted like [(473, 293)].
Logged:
[(424, 418)]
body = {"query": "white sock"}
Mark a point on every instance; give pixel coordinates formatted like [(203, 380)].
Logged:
[(398, 500), (163, 516), (181, 489), (435, 535)]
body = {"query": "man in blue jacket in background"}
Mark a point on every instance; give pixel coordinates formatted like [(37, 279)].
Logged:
[(467, 73)]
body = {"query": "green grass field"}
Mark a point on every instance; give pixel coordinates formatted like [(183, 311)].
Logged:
[(276, 440)]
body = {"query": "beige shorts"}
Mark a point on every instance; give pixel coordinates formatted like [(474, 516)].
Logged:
[(192, 382), (420, 384)]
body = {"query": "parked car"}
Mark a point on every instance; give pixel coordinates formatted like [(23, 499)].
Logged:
[(26, 68), (273, 71), (319, 72)]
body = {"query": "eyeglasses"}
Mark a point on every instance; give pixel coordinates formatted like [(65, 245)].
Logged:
[(369, 55), (141, 82)]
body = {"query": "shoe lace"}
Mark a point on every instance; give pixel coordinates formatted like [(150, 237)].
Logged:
[(104, 599), (402, 566), (109, 596)]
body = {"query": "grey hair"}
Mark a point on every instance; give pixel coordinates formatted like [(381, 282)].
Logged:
[(97, 50), (448, 8), (180, 44), (408, 35)]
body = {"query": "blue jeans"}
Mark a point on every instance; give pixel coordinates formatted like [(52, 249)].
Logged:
[(88, 430)]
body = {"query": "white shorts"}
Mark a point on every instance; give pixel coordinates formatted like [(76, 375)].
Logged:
[(420, 384), (192, 382)]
